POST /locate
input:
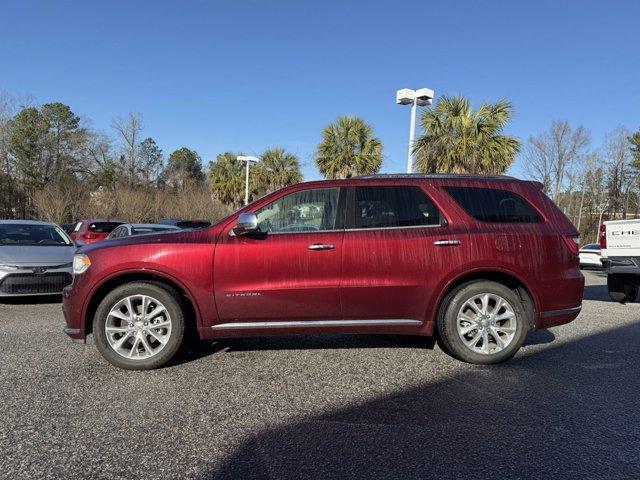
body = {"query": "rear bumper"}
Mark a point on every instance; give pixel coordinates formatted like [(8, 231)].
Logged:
[(552, 318), (624, 265)]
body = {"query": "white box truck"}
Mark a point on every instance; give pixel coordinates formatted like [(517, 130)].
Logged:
[(620, 250)]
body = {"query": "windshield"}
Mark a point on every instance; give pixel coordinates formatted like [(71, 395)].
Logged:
[(33, 235)]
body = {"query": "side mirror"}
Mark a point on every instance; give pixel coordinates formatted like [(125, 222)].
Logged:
[(247, 223)]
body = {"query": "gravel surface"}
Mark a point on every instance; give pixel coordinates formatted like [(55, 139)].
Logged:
[(325, 406)]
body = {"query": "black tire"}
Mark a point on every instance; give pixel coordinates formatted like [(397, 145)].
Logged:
[(168, 297), (447, 322), (621, 288)]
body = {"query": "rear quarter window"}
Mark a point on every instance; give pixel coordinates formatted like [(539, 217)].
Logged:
[(493, 205)]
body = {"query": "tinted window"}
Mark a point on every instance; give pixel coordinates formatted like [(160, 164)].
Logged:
[(493, 205), (33, 235), (383, 207), (103, 227), (193, 224), (304, 211), (591, 246)]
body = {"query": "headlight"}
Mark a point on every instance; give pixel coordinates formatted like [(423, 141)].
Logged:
[(9, 268), (81, 263)]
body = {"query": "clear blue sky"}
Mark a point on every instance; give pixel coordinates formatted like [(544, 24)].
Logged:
[(246, 75)]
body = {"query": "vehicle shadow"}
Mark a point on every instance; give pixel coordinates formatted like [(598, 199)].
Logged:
[(567, 411), (196, 349), (596, 292), (31, 300)]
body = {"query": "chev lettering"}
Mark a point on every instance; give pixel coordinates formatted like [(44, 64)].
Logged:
[(625, 232)]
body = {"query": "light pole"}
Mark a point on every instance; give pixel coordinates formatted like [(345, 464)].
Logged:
[(247, 160), (420, 97)]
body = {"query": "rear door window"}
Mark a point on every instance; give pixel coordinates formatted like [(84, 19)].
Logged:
[(493, 205), (393, 207)]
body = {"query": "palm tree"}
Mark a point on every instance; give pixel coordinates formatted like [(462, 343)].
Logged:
[(458, 140), (226, 175), (277, 169), (348, 148)]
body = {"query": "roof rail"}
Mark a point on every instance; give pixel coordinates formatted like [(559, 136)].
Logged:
[(436, 175)]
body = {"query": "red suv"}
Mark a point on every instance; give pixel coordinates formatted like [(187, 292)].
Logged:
[(91, 231), (479, 260)]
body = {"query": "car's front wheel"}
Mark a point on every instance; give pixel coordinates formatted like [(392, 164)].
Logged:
[(483, 322), (139, 326)]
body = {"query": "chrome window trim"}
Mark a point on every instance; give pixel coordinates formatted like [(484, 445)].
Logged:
[(394, 228), (231, 234)]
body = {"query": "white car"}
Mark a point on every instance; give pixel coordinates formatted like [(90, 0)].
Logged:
[(590, 256), (36, 258), (129, 229)]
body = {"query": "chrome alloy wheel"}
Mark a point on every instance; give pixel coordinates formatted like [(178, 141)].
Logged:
[(138, 327), (486, 323)]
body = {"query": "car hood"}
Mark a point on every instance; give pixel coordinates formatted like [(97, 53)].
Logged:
[(36, 255), (174, 236)]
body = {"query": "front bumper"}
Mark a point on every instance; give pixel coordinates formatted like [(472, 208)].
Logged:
[(72, 304), (29, 281)]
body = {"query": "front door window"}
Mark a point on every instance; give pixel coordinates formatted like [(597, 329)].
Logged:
[(303, 211)]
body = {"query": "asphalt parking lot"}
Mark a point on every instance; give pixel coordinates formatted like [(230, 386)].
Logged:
[(325, 407)]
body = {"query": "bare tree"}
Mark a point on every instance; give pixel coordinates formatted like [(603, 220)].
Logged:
[(551, 155), (129, 131), (622, 176)]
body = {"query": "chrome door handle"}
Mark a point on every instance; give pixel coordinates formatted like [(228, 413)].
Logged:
[(444, 243), (321, 246)]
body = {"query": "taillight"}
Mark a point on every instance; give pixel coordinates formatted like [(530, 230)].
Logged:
[(572, 242), (89, 236), (602, 240)]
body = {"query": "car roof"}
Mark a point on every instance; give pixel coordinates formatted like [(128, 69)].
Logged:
[(26, 222), (100, 220)]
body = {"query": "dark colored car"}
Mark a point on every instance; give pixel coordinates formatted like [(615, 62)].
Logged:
[(90, 231), (185, 224), (67, 227), (478, 260)]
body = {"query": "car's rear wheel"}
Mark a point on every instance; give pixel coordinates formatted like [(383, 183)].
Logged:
[(621, 288), (139, 326), (482, 322)]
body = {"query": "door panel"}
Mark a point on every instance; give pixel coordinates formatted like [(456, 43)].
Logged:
[(278, 277), (394, 273), (397, 249), (290, 271)]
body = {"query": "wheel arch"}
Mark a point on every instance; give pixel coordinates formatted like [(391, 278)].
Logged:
[(192, 316), (508, 279)]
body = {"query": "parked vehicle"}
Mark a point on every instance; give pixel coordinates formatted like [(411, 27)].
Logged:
[(129, 229), (479, 260), (35, 258), (185, 224), (90, 231), (590, 256), (67, 227), (620, 244)]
